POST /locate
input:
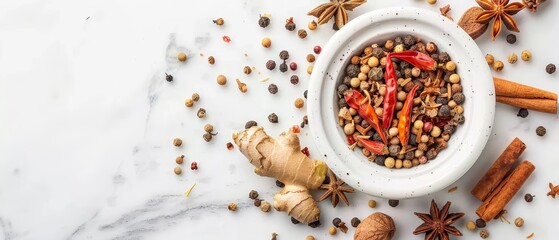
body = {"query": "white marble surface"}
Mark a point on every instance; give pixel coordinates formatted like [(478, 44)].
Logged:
[(88, 119)]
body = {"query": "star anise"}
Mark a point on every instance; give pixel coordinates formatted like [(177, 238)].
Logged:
[(437, 223), (335, 190), (501, 11), (553, 191), (337, 9)]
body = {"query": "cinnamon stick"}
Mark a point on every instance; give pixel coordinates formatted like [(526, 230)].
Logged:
[(501, 196), (523, 96), (498, 170)]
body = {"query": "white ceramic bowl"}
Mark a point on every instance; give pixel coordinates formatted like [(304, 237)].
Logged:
[(465, 144)]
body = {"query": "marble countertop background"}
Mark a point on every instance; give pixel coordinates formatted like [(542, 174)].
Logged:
[(87, 121)]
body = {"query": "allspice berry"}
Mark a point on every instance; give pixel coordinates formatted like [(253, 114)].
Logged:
[(310, 58), (264, 21), (247, 70), (302, 33), (177, 142), (372, 203), (266, 42), (181, 57)]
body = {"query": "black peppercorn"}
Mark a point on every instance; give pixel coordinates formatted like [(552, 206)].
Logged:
[(480, 223), (375, 74), (294, 221), (273, 118), (279, 184), (271, 64), (444, 57), (355, 222), (528, 197), (393, 203), (352, 70), (431, 154), (342, 88), (264, 21), (444, 111), (540, 131), (294, 79), (550, 68), (283, 67), (441, 100), (342, 103), (336, 222), (250, 124), (305, 94), (378, 53), (409, 40), (523, 113), (253, 194), (511, 38), (394, 150), (314, 224), (458, 98), (168, 77), (290, 25), (284, 55), (273, 89)]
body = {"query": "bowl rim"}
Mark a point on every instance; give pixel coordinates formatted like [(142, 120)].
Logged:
[(401, 183)]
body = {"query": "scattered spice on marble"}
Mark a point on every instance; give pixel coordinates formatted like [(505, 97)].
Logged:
[(432, 2), (279, 184), (305, 151), (337, 222), (271, 64), (453, 189), (289, 24), (257, 202), (250, 124), (553, 190), (273, 118), (294, 79), (332, 230), (208, 128), (195, 97), (355, 222), (264, 21), (265, 206), (299, 103), (305, 94), (177, 142), (309, 69), (489, 59), (273, 88), (241, 86), (181, 57), (189, 190), (550, 68), (317, 49), (232, 207), (219, 21), (189, 102), (314, 224), (530, 236), (312, 25), (201, 113), (274, 236), (484, 234), (221, 80), (393, 202), (310, 58), (226, 39), (519, 222), (194, 166), (471, 225), (302, 33), (511, 38), (211, 60), (293, 66), (480, 223), (266, 42), (445, 11), (438, 222), (179, 159), (526, 55), (498, 66), (178, 170), (540, 131), (372, 203), (247, 70), (523, 113), (512, 58), (294, 221), (229, 146), (207, 137), (283, 67), (168, 77), (253, 194), (528, 197), (310, 237), (336, 9)]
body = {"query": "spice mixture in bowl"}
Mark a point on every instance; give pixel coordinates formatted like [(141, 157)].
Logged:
[(401, 102)]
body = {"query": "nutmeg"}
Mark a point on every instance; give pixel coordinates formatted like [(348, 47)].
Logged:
[(377, 226)]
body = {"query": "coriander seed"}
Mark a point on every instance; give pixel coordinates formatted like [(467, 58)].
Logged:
[(498, 66), (489, 59), (519, 222), (265, 206), (523, 113), (528, 197), (332, 230), (168, 77), (310, 237), (263, 21), (312, 25), (247, 70), (221, 80), (540, 131), (454, 78), (219, 21), (450, 66), (201, 113), (253, 194), (299, 103), (526, 55), (195, 97), (266, 42), (471, 225), (289, 24), (511, 38), (178, 170), (372, 203), (179, 159), (355, 222), (393, 202), (512, 58), (271, 64), (273, 118), (250, 124), (177, 142), (211, 60), (208, 128), (188, 102), (310, 58), (273, 88), (181, 57), (302, 33), (232, 207), (550, 68), (484, 234)]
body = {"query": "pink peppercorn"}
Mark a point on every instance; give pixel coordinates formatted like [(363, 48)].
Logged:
[(317, 49), (194, 166), (428, 126), (226, 39), (422, 159), (293, 66)]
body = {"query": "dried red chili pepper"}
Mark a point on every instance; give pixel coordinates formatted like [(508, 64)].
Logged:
[(415, 58), (405, 119), (358, 102), (350, 139), (306, 151), (373, 146), (389, 102)]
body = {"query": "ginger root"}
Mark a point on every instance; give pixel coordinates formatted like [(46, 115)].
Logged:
[(282, 158)]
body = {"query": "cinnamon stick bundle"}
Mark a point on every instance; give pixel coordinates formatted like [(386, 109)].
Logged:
[(523, 96), (501, 196), (498, 170)]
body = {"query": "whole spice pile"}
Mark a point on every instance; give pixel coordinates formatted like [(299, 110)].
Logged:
[(400, 101)]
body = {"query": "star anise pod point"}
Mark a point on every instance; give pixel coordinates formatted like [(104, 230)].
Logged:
[(337, 9), (501, 12), (335, 190), (437, 223)]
